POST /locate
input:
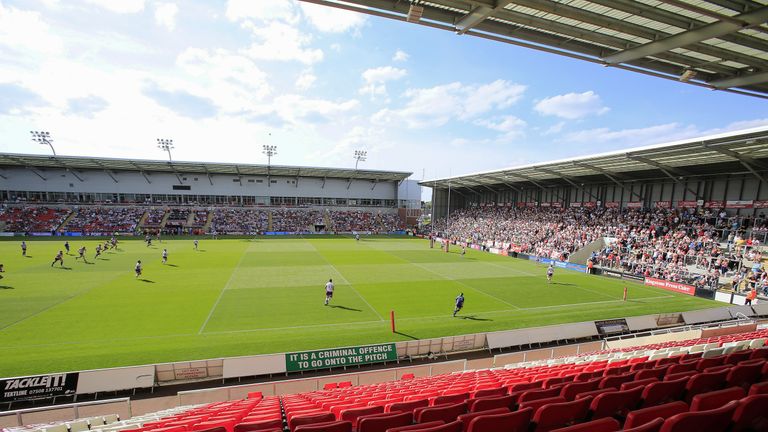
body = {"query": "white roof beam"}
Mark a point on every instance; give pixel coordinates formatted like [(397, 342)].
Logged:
[(700, 34), (740, 81)]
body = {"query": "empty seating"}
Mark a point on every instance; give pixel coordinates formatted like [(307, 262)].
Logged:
[(715, 420), (751, 415), (517, 421), (615, 404), (645, 415), (716, 399), (558, 415), (602, 425)]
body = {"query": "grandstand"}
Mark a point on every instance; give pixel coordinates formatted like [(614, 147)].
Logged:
[(692, 211), (103, 196)]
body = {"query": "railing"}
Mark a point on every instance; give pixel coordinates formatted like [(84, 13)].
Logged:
[(19, 414), (679, 329)]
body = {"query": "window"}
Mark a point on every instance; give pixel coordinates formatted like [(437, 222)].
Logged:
[(259, 181), (182, 187), (273, 181), (236, 180), (251, 180), (195, 179)]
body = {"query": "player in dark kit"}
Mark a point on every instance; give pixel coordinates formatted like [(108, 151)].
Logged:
[(66, 246), (60, 258), (459, 304), (98, 251), (23, 248), (2, 270)]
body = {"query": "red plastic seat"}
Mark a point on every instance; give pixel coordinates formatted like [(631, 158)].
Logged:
[(715, 420), (538, 403), (716, 399), (212, 429), (406, 406), (736, 357), (518, 421), (657, 373), (616, 380), (744, 375), (651, 426), (465, 419), (415, 426), (499, 391), (709, 362), (380, 423), (662, 392), (300, 420), (455, 426), (615, 404), (532, 395), (602, 425), (351, 415), (450, 399), (559, 415), (679, 375), (446, 413), (761, 353), (639, 383), (751, 415), (644, 415), (759, 388), (570, 390), (704, 382), (336, 426), (681, 367), (485, 404), (330, 386)]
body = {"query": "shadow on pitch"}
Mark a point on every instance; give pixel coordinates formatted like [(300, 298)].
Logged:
[(474, 318), (27, 256), (103, 259), (172, 265), (406, 335), (563, 284), (147, 281), (64, 268), (345, 308), (6, 287)]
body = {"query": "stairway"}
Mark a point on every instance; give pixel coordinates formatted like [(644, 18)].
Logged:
[(66, 220), (582, 255), (269, 221), (209, 221), (165, 218)]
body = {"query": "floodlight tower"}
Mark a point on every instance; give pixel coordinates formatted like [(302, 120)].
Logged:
[(43, 138), (360, 156), (165, 145), (269, 150)]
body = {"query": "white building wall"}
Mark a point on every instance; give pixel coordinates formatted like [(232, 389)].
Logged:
[(21, 179)]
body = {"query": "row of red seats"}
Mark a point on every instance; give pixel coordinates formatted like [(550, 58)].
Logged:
[(479, 390)]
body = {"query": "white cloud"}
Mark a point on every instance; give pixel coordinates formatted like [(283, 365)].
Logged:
[(26, 32), (298, 109), (332, 20), (283, 42), (400, 56), (232, 81), (572, 105), (335, 47), (119, 6), (376, 79), (436, 106), (284, 10), (165, 15), (305, 81), (554, 129), (511, 126)]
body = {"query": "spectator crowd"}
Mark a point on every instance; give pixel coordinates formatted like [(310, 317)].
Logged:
[(695, 247)]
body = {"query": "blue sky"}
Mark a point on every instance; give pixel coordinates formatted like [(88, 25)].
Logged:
[(222, 78)]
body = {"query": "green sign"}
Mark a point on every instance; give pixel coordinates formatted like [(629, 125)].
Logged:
[(335, 357)]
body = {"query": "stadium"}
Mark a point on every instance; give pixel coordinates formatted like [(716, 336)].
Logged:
[(621, 287)]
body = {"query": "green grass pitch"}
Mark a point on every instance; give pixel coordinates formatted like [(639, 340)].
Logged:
[(240, 297)]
